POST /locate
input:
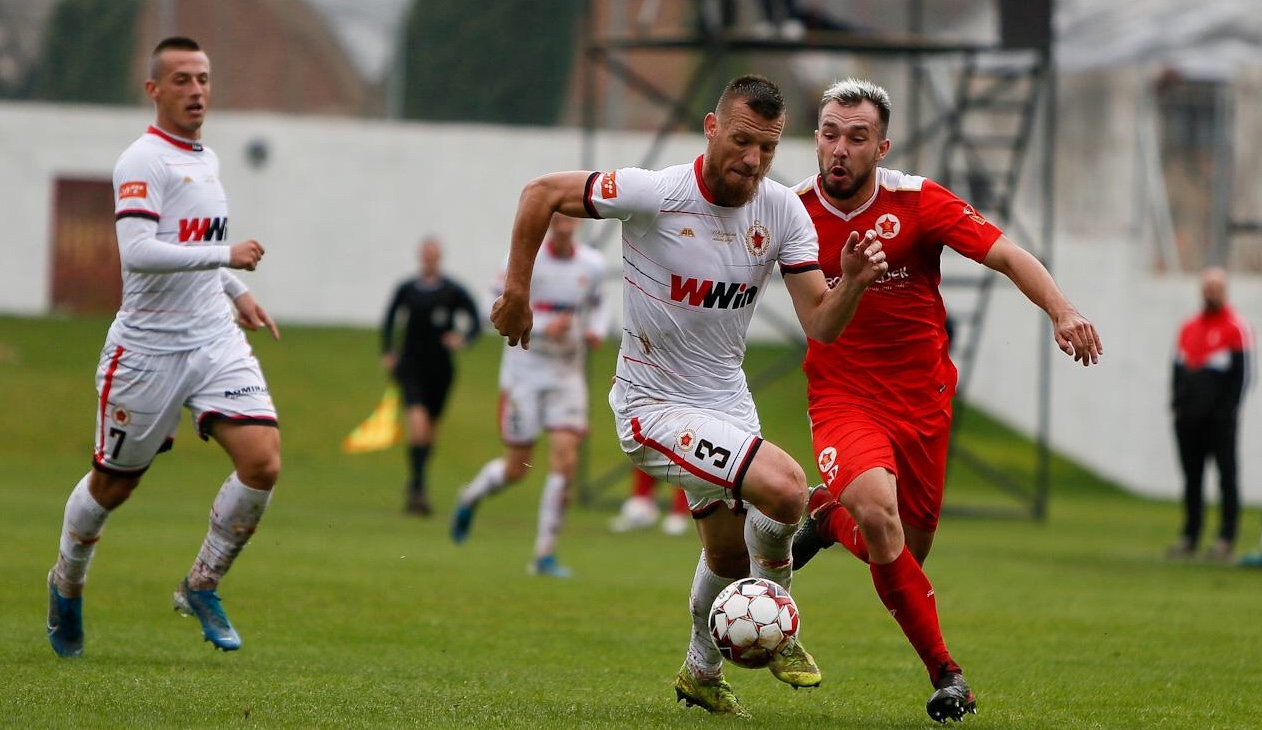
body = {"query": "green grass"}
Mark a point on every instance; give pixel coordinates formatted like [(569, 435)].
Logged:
[(355, 616)]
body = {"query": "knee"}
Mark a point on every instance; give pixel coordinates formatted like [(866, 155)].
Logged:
[(785, 496), (878, 514), (563, 452), (878, 521), (260, 471), (564, 462), (514, 470), (111, 490)]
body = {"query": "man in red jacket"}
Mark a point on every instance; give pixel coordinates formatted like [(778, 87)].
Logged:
[(1212, 369)]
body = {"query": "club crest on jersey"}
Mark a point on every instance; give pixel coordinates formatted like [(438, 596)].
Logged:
[(888, 226), (685, 440), (120, 416), (973, 215), (827, 458), (757, 239)]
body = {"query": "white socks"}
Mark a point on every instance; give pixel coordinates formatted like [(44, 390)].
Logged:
[(488, 481), (81, 527), (770, 545), (552, 504), (233, 518), (704, 658)]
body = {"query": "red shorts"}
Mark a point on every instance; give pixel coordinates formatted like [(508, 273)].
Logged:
[(850, 440)]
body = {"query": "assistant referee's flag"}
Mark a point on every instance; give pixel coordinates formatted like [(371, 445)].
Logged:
[(380, 430)]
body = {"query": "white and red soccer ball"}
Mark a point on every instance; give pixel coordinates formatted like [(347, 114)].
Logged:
[(751, 620)]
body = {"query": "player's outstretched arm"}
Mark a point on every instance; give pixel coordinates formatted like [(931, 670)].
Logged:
[(1074, 333), (823, 311), (558, 192)]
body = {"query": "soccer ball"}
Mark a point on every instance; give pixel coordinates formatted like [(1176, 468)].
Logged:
[(752, 619)]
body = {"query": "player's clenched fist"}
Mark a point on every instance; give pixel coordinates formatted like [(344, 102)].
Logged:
[(513, 318), (245, 255)]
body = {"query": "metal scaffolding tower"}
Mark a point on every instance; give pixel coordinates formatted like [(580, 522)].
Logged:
[(985, 108)]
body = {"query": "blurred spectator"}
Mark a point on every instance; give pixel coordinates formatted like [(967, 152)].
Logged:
[(1212, 369)]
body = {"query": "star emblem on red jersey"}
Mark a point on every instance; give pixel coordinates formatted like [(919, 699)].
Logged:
[(888, 225)]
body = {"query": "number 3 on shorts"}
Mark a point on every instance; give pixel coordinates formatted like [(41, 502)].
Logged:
[(716, 454)]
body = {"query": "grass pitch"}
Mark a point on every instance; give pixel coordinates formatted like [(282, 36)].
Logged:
[(356, 616)]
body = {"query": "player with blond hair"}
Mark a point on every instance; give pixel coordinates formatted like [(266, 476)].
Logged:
[(880, 394)]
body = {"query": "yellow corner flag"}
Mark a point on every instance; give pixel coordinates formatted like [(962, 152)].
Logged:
[(380, 430)]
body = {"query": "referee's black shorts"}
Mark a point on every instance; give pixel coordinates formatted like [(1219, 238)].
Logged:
[(425, 385)]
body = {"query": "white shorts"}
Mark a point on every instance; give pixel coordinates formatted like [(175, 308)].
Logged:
[(141, 396), (704, 451), (529, 407)]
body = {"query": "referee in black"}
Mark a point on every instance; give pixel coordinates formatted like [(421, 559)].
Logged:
[(440, 318)]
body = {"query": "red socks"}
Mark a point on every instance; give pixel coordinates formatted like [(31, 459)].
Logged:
[(680, 504), (836, 523), (642, 484), (901, 585), (907, 593)]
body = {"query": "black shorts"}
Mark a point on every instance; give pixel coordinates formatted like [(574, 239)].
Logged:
[(424, 385)]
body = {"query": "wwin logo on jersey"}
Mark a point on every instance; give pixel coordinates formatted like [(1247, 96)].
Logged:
[(203, 229), (711, 294)]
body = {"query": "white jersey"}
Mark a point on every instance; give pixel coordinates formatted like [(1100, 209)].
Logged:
[(171, 217), (692, 273), (563, 289)]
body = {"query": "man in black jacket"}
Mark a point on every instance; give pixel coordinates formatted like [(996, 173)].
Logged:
[(441, 317), (1212, 369)]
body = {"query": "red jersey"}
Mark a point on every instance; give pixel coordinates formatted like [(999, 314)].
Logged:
[(893, 355), (1209, 339), (1213, 365)]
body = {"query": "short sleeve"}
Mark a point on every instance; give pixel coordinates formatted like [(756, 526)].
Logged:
[(623, 194), (800, 249), (955, 223)]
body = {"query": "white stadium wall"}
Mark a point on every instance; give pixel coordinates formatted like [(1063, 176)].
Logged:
[(340, 205)]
